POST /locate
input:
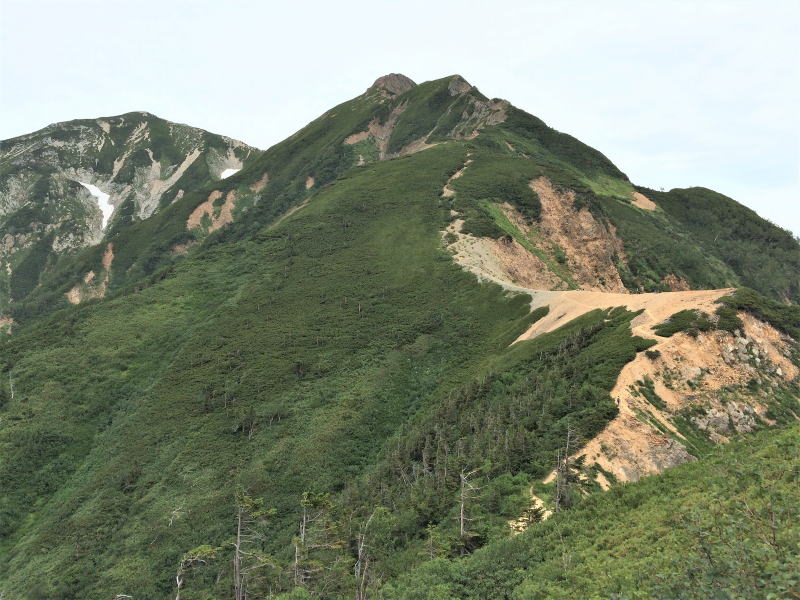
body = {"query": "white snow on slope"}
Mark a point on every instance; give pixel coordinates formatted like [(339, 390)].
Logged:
[(228, 172), (102, 201)]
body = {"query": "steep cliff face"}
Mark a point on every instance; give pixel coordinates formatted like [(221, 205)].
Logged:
[(71, 184)]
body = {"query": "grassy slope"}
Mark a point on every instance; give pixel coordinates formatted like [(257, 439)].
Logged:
[(130, 411), (764, 257), (724, 527)]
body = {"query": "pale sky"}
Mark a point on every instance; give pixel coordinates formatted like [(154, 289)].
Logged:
[(675, 93)]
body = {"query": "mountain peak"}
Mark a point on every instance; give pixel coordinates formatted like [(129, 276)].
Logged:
[(458, 85), (394, 83)]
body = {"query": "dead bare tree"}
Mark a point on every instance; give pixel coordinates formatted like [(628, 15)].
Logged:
[(562, 467), (467, 493), (251, 517), (361, 568), (194, 558), (570, 477), (316, 533)]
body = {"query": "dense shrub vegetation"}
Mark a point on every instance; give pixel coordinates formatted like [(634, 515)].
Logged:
[(724, 527)]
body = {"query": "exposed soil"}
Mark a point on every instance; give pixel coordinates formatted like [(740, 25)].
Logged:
[(446, 191), (568, 305), (675, 283), (91, 287), (6, 324), (643, 201), (519, 525), (309, 182), (356, 137), (687, 372), (589, 246), (504, 262), (260, 184), (178, 249), (219, 217)]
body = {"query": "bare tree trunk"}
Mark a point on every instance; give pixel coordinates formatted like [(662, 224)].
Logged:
[(298, 576), (562, 472), (362, 562), (238, 590), (179, 582), (467, 488)]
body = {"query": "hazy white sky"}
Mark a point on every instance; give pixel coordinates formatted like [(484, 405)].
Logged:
[(676, 93)]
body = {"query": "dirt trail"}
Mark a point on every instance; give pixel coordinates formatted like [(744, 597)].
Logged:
[(447, 192), (288, 214), (567, 305)]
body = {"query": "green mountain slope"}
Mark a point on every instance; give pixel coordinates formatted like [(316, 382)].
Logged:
[(721, 528), (302, 334)]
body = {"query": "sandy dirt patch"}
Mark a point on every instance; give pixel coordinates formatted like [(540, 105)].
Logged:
[(687, 372), (260, 184), (675, 283), (309, 182), (643, 201), (690, 372), (568, 305), (92, 286), (219, 216), (589, 246), (178, 249), (519, 525), (505, 262), (356, 137), (6, 323)]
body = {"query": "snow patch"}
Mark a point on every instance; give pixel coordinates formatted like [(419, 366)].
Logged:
[(228, 172), (102, 201)]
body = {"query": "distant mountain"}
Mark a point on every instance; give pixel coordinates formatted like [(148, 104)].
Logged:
[(73, 184), (371, 362)]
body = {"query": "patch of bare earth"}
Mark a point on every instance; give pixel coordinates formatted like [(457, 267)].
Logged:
[(6, 323), (568, 305), (504, 261), (379, 132), (675, 283), (179, 249), (589, 245), (356, 137), (309, 182), (447, 192), (218, 216), (92, 286), (643, 201), (260, 184), (521, 524), (688, 372)]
